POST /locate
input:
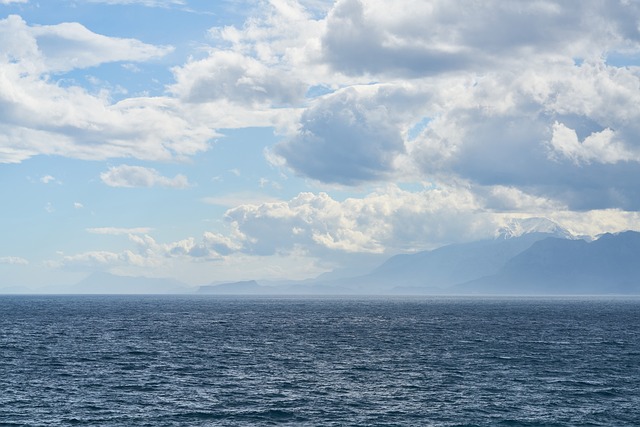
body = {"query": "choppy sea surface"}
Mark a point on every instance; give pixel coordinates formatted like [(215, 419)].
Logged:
[(207, 360)]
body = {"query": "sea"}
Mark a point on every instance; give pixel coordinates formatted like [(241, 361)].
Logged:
[(204, 360)]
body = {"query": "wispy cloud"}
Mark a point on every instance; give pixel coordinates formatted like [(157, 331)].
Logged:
[(118, 230), (138, 176), (13, 260), (47, 179), (148, 3), (240, 198)]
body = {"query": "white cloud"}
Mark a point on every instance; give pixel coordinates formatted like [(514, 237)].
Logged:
[(344, 138), (429, 38), (42, 117), (241, 198), (78, 205), (148, 253), (148, 3), (388, 221), (67, 46), (563, 132), (102, 260), (598, 221), (13, 260), (314, 232), (486, 102), (70, 46), (212, 246), (118, 230), (138, 176), (392, 220), (13, 1), (47, 179), (597, 147), (513, 108), (231, 76)]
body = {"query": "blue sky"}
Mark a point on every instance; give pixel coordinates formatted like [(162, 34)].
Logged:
[(214, 141)]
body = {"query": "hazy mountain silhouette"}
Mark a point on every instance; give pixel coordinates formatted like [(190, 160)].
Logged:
[(531, 256), (610, 264), (438, 270), (452, 264)]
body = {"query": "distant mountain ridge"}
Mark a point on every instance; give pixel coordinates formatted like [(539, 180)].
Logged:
[(438, 270), (531, 256), (534, 256), (610, 265), (451, 264)]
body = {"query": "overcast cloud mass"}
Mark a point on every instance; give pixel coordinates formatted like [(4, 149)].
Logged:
[(343, 132)]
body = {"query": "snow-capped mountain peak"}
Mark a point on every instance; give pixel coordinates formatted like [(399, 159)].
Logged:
[(519, 226)]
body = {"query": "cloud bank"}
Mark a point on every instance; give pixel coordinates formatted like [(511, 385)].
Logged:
[(487, 110)]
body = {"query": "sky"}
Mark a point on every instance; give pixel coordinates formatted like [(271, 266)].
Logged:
[(222, 141)]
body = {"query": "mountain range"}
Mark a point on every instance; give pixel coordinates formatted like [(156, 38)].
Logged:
[(534, 256), (608, 265)]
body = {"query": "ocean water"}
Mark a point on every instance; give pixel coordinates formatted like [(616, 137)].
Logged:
[(207, 360)]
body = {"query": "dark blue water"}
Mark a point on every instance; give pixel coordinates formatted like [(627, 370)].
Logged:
[(189, 360)]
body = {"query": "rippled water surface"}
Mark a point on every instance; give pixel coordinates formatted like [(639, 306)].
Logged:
[(204, 360)]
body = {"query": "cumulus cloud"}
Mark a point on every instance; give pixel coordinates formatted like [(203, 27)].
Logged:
[(257, 74), (511, 109), (147, 252), (493, 92), (319, 232), (566, 132), (231, 76), (390, 220), (138, 176), (429, 38), (599, 146), (42, 117), (212, 246), (344, 138)]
